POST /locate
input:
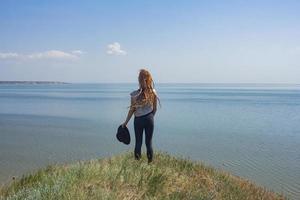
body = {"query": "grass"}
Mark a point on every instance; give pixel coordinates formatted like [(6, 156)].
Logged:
[(122, 177)]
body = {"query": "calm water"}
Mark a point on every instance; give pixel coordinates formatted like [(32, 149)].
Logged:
[(252, 131)]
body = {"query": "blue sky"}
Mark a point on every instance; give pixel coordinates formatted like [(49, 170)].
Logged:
[(178, 41)]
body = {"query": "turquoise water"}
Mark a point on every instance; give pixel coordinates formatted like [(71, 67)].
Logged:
[(252, 131)]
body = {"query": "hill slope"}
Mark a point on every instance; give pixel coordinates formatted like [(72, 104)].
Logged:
[(122, 177)]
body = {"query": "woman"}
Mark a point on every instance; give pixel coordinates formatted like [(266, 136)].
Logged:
[(143, 106)]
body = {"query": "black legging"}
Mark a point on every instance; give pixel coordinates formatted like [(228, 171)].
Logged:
[(140, 123)]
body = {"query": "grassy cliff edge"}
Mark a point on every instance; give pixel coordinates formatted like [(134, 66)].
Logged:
[(122, 177)]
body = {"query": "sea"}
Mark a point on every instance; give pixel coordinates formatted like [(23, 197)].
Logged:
[(249, 130)]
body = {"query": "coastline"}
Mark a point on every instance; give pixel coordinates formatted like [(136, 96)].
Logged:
[(31, 82)]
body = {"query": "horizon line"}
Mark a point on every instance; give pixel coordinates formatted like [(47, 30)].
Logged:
[(97, 82)]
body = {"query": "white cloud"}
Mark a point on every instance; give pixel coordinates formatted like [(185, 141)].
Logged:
[(53, 54), (9, 55), (50, 55), (115, 49), (77, 52)]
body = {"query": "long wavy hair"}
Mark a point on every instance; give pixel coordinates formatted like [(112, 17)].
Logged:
[(146, 94)]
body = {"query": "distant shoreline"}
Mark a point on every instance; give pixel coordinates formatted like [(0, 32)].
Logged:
[(161, 83), (32, 82)]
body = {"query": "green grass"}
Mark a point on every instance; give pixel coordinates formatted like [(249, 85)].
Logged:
[(122, 177)]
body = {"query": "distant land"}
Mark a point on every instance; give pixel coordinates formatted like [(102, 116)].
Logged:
[(32, 82)]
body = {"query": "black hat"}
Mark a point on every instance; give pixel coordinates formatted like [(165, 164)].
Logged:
[(123, 135)]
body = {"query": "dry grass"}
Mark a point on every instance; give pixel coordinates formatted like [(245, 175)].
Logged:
[(122, 177)]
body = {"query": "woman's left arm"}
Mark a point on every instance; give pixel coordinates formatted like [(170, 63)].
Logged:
[(129, 115)]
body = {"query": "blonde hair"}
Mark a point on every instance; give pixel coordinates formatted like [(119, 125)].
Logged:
[(146, 93)]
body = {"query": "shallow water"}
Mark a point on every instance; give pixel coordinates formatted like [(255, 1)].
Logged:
[(252, 131)]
